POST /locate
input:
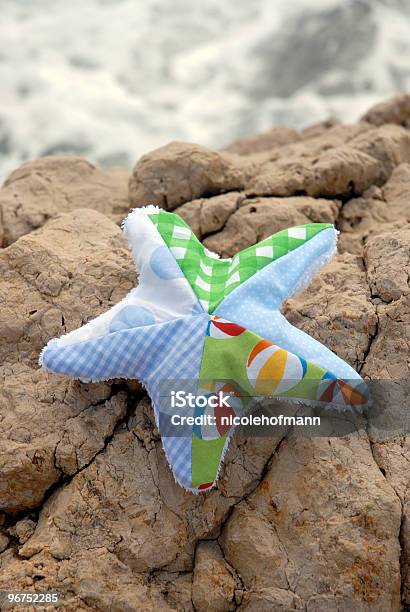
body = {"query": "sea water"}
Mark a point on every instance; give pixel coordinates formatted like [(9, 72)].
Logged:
[(113, 79)]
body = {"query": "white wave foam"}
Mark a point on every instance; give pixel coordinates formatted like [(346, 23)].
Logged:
[(112, 79)]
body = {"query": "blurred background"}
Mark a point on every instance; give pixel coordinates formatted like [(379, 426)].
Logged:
[(112, 79)]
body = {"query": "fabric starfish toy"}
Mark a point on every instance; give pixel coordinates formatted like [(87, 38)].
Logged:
[(215, 324)]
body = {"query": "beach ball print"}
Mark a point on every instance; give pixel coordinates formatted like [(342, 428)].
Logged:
[(272, 370), (212, 426), (343, 393), (223, 330), (235, 408)]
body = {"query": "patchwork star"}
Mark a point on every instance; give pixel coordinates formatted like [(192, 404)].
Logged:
[(211, 327)]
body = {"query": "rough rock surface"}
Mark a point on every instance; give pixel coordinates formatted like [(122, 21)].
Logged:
[(337, 518), (256, 218), (276, 137), (213, 584), (40, 190), (53, 280), (88, 506), (180, 172), (395, 110)]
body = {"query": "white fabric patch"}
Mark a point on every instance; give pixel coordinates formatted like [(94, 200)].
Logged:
[(211, 254), (264, 251), (183, 233), (206, 269), (178, 252), (234, 263), (233, 279), (201, 283), (297, 232)]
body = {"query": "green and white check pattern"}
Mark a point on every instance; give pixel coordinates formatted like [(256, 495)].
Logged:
[(212, 279)]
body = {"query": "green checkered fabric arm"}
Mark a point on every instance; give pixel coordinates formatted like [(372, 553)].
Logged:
[(211, 278)]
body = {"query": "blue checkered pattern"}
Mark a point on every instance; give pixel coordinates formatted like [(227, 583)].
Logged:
[(180, 360), (152, 354)]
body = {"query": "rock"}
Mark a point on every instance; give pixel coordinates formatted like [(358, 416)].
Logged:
[(387, 262), (39, 297), (23, 530), (395, 110), (213, 585), (97, 581), (384, 253), (246, 460), (138, 514), (40, 190), (4, 541), (207, 216), (33, 457), (320, 138), (276, 137), (181, 172), (39, 301), (335, 162), (86, 496), (396, 193), (319, 128), (257, 218), (341, 171), (265, 600), (84, 434), (405, 539), (191, 213), (333, 541), (176, 589), (376, 211), (336, 309)]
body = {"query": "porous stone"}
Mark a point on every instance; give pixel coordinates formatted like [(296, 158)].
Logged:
[(88, 505), (41, 189), (213, 585), (180, 172), (52, 281), (395, 110)]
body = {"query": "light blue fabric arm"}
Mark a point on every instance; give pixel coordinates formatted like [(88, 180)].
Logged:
[(154, 354), (255, 304), (141, 353), (126, 353)]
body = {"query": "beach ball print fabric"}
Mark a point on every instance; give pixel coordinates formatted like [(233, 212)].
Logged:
[(214, 326)]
